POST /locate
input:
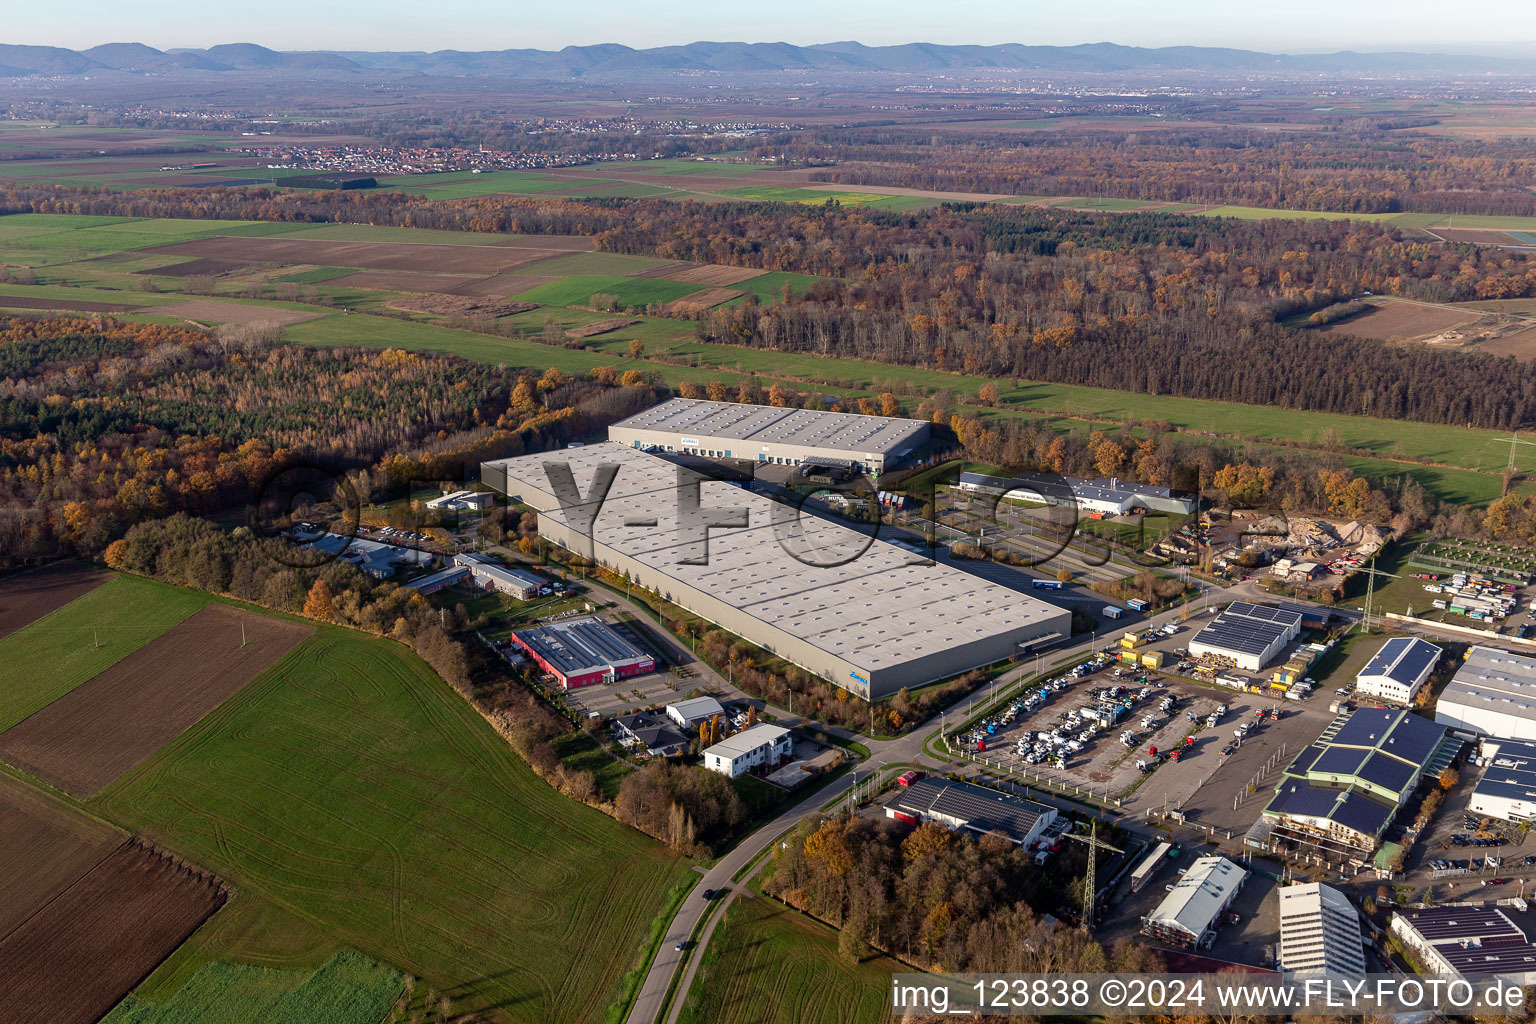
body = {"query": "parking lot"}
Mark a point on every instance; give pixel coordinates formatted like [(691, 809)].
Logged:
[(1208, 784)]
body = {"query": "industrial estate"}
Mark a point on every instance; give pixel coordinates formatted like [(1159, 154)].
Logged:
[(732, 533)]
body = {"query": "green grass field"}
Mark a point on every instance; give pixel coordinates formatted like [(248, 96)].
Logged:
[(623, 190), (1105, 203), (674, 166), (807, 196), (594, 264), (347, 989), (769, 287), (356, 802), (51, 656), (631, 291), (60, 238), (767, 964), (464, 185)]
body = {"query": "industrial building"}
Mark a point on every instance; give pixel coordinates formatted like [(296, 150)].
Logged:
[(1339, 794), (1105, 496), (1190, 914), (461, 501), (865, 615), (1319, 931), (770, 434), (651, 733), (1466, 940), (1399, 670), (688, 714), (524, 586), (964, 806), (1248, 635), (762, 745), (1507, 790), (440, 579), (370, 556), (1492, 694), (583, 652)]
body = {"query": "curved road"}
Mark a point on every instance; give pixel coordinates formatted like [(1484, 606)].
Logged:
[(907, 749)]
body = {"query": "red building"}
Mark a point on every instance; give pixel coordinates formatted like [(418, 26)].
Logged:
[(583, 652)]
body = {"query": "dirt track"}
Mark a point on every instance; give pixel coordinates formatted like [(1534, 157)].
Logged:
[(76, 958), (30, 596), (95, 733)]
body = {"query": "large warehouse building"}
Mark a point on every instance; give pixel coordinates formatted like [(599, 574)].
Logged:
[(583, 652), (861, 613), (1192, 911), (767, 433), (1248, 635), (1339, 795), (1105, 496), (1507, 790), (1492, 694)]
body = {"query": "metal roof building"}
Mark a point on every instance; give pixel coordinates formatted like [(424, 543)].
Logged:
[(1319, 931), (688, 713), (1398, 671), (1250, 635), (863, 614), (581, 652), (964, 805), (766, 433), (1467, 940), (1109, 495), (1507, 789), (1339, 794), (1492, 694), (1191, 913)]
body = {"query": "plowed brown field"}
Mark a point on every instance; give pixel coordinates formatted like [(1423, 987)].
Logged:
[(30, 596), (44, 847), (102, 728), (73, 960)]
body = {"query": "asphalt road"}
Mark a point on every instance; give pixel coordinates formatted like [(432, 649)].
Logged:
[(907, 749)]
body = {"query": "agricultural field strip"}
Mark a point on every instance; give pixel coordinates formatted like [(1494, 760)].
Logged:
[(357, 791), (102, 728), (29, 596), (90, 945), (44, 848)]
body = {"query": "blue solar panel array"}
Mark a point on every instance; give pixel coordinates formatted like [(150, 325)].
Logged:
[(1404, 659)]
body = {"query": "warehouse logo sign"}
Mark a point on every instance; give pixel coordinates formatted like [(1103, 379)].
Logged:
[(808, 540), (858, 678)]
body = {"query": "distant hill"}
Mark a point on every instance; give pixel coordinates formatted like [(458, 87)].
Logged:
[(613, 59)]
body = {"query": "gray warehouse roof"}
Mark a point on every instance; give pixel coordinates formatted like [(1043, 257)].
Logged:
[(1494, 680), (867, 602), (980, 809), (767, 424), (580, 645), (1511, 772)]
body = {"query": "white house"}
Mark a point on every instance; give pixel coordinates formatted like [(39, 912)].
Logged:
[(1399, 670), (762, 744), (687, 714)]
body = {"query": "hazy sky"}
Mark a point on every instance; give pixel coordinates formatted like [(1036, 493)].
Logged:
[(487, 25)]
